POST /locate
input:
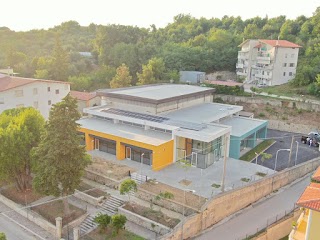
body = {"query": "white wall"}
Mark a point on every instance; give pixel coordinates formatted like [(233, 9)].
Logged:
[(30, 98)]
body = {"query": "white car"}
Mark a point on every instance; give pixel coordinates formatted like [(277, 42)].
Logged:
[(261, 85)]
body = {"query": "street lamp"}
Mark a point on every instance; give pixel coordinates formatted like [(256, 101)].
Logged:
[(295, 160), (184, 199), (275, 165)]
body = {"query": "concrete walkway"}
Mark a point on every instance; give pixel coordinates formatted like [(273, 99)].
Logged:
[(258, 216)]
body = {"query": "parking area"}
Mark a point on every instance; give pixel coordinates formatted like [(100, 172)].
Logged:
[(300, 152)]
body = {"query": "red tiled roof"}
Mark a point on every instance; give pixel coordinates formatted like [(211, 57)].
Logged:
[(8, 82), (84, 96), (225, 83), (316, 175), (258, 46), (310, 198), (280, 43)]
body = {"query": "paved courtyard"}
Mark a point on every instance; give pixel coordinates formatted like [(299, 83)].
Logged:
[(283, 141), (201, 180)]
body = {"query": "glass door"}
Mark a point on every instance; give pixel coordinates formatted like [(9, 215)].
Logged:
[(96, 144)]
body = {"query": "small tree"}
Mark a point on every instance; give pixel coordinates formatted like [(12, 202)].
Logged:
[(118, 222), (2, 236), (122, 77), (165, 195), (60, 160), (103, 220), (265, 156), (127, 186)]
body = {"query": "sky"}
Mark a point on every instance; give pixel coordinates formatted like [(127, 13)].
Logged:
[(24, 15)]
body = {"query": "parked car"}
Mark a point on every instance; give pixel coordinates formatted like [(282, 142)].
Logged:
[(261, 85)]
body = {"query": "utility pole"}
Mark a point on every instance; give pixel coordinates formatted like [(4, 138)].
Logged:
[(290, 153)]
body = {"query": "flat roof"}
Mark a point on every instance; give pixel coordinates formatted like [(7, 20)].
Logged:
[(156, 93), (242, 125), (138, 134), (204, 113)]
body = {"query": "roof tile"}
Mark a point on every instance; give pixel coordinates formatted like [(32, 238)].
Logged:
[(280, 43), (310, 198), (84, 96)]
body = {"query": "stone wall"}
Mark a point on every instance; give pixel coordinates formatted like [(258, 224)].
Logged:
[(291, 127), (228, 203), (144, 222), (166, 203), (30, 215), (87, 198), (279, 229), (112, 183), (221, 75)]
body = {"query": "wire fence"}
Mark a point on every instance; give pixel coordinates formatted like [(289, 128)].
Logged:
[(263, 227)]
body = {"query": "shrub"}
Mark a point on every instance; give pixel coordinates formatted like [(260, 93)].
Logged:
[(2, 236), (118, 222), (261, 114), (103, 220)]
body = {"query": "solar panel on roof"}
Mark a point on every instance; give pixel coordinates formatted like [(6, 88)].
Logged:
[(141, 116)]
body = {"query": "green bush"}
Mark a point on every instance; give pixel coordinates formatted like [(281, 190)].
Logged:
[(103, 220), (118, 222), (228, 90), (2, 236), (261, 114)]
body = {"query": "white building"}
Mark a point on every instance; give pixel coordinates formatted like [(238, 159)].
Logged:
[(28, 92), (267, 62)]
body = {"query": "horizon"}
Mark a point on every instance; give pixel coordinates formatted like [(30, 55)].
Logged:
[(37, 16)]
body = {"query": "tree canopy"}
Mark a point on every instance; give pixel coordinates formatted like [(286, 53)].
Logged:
[(187, 43), (60, 159), (20, 131)]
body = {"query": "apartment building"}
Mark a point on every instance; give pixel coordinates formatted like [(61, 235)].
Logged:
[(162, 124), (267, 62), (27, 92), (86, 99)]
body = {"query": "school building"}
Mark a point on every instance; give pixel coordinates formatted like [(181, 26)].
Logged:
[(162, 124)]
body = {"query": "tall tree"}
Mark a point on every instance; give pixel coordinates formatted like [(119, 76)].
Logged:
[(20, 131), (60, 63), (122, 77), (60, 159)]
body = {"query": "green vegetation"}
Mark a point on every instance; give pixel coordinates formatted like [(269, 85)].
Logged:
[(103, 220), (229, 90), (249, 156), (187, 43), (261, 174), (60, 160), (245, 179), (128, 186), (118, 222), (215, 185), (2, 236), (20, 131)]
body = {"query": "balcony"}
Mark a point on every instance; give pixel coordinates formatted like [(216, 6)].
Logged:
[(263, 60), (263, 67), (265, 76), (242, 73), (239, 65), (300, 232)]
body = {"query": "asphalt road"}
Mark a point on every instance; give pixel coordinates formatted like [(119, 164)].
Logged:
[(283, 141), (256, 217), (14, 231)]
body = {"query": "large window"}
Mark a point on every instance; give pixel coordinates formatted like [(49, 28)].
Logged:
[(107, 146)]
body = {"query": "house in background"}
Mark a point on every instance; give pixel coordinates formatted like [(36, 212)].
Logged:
[(192, 77), (86, 99), (267, 62), (28, 92), (162, 124), (307, 227)]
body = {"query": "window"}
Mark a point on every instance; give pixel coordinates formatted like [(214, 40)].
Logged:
[(285, 64), (286, 56), (291, 64), (290, 73), (1, 100), (20, 105), (35, 91), (49, 89), (18, 93), (57, 91), (284, 73), (292, 55), (35, 104), (49, 102)]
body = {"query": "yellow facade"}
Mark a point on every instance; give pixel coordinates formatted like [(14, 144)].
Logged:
[(162, 155), (313, 231), (308, 226)]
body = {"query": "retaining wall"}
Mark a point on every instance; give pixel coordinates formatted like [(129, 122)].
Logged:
[(144, 222), (166, 203), (112, 183), (87, 198), (228, 203)]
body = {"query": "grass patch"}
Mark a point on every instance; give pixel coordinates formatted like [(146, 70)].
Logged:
[(261, 174), (55, 209), (22, 198), (153, 215), (245, 179), (258, 149), (97, 234), (215, 185)]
